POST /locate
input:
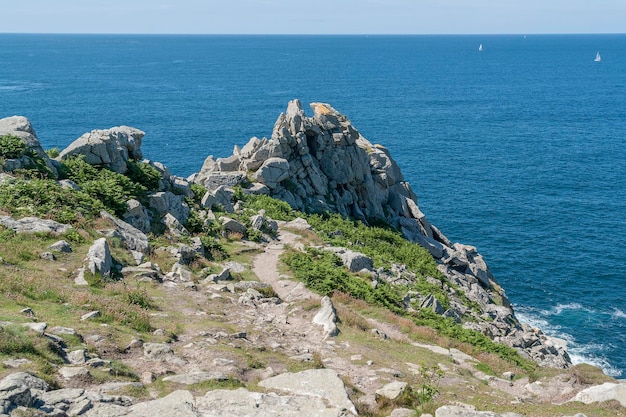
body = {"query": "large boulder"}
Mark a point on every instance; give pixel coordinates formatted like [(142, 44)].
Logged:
[(605, 392), (133, 238), (322, 163), (99, 261), (241, 402), (168, 202), (34, 225), (272, 172), (110, 148), (20, 127), (327, 317), (316, 383)]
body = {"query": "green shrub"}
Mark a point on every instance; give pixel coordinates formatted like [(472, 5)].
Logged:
[(11, 147), (109, 187), (323, 272), (144, 174), (274, 208), (45, 198), (198, 192), (213, 249), (448, 327), (53, 152)]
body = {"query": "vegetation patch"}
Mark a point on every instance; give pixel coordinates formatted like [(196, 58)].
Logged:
[(46, 199), (11, 147)]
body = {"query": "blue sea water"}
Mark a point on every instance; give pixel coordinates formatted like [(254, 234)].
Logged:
[(519, 149)]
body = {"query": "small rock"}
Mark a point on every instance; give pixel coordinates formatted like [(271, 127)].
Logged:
[(222, 362), (48, 256), (16, 363), (77, 357), (61, 246), (61, 330), (79, 408), (392, 390), (36, 327), (405, 412), (508, 375), (327, 317), (28, 311), (135, 343), (90, 315), (156, 350), (70, 372), (147, 378)]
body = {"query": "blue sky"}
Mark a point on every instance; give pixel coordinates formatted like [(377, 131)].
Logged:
[(314, 16)]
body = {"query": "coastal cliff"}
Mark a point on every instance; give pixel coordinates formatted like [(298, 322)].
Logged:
[(322, 163), (301, 251)]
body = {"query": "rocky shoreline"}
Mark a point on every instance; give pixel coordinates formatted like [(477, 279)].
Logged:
[(318, 164)]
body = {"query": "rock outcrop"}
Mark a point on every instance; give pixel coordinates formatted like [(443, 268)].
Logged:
[(34, 225), (110, 148), (322, 163), (20, 127)]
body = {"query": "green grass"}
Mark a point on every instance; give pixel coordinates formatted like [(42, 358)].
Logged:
[(323, 272)]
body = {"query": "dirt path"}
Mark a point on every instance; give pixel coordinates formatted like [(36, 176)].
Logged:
[(266, 269)]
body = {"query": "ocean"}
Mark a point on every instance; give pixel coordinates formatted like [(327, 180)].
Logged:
[(518, 149)]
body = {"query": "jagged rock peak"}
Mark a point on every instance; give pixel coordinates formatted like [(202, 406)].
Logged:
[(322, 163)]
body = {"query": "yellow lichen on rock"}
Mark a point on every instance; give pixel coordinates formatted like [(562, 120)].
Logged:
[(321, 108)]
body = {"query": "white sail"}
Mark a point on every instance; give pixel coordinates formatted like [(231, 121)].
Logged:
[(480, 48), (598, 58)]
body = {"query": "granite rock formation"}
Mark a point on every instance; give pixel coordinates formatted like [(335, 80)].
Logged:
[(322, 163)]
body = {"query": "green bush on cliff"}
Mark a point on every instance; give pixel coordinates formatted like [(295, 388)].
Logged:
[(11, 147), (45, 198), (109, 187), (144, 174)]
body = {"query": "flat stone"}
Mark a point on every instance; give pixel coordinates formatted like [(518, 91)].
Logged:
[(39, 328), (196, 377), (320, 383), (90, 315), (16, 363), (178, 404), (69, 372), (392, 390), (34, 225), (605, 392), (61, 246)]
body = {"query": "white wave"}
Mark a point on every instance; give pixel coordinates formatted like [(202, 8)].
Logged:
[(570, 306), (581, 355), (618, 314), (590, 353)]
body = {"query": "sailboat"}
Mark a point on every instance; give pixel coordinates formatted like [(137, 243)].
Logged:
[(480, 48), (598, 58)]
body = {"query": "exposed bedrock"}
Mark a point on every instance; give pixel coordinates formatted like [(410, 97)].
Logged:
[(322, 163)]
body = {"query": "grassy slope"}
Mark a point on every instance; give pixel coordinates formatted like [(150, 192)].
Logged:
[(132, 309)]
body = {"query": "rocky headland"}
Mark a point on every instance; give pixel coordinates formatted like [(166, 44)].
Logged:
[(237, 291)]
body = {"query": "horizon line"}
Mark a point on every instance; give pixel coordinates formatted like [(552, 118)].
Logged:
[(316, 34)]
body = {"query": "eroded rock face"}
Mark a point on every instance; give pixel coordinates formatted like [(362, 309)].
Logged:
[(110, 148)]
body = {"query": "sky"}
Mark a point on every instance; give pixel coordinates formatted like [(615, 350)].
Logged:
[(313, 16)]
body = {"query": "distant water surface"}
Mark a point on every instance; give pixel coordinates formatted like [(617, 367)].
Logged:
[(519, 149)]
